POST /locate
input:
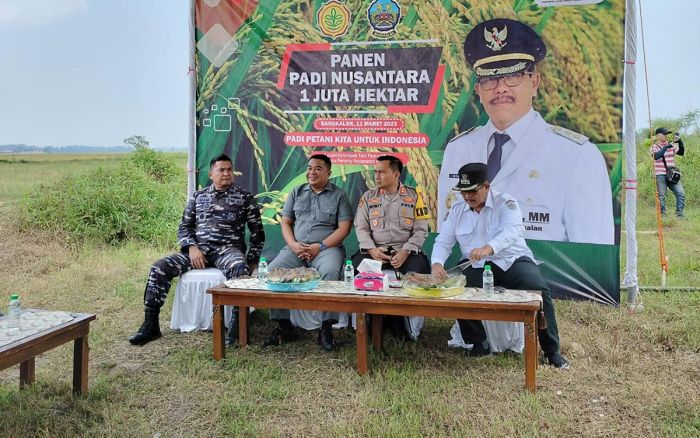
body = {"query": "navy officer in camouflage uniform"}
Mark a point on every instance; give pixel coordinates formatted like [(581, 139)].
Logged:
[(316, 217), (211, 233), (391, 225)]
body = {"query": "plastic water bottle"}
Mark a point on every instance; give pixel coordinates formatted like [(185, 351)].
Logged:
[(14, 308), (348, 273), (262, 269), (488, 280)]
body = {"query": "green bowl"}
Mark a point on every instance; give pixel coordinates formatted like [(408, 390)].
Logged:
[(293, 287)]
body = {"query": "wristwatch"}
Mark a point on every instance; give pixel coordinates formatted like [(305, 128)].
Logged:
[(322, 246)]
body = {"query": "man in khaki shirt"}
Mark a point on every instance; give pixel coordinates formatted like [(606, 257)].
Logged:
[(391, 225)]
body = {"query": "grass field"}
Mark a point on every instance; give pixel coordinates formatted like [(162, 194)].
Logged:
[(632, 375), (20, 173)]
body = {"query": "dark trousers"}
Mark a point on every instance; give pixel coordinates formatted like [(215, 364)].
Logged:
[(414, 263), (523, 275), (230, 261)]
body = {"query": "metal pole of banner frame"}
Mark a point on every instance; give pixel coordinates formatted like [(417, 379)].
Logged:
[(630, 151)]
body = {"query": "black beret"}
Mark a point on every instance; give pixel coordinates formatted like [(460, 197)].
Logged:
[(471, 176)]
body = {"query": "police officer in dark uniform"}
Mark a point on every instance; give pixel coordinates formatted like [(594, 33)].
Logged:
[(211, 233)]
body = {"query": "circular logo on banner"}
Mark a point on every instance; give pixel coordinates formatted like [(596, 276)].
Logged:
[(333, 19), (383, 16)]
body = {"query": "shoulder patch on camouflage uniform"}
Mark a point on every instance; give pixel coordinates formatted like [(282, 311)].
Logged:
[(571, 135), (361, 203), (463, 133)]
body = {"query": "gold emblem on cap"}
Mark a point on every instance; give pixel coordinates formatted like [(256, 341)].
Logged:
[(495, 39), (534, 174), (465, 180)]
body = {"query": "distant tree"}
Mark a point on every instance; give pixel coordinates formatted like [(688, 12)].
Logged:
[(668, 123), (686, 124), (688, 120), (137, 142)]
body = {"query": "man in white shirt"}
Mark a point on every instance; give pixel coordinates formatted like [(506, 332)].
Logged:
[(488, 227), (558, 177)]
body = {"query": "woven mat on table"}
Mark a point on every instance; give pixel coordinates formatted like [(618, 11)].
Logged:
[(31, 322), (338, 287)]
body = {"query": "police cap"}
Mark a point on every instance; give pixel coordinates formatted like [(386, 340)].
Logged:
[(471, 176), (502, 46)]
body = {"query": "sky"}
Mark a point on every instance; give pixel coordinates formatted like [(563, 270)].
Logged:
[(95, 72)]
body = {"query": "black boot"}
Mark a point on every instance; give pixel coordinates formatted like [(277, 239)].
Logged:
[(284, 332), (325, 336), (150, 329), (397, 327), (232, 334)]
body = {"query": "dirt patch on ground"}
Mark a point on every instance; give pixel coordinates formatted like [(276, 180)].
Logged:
[(29, 254)]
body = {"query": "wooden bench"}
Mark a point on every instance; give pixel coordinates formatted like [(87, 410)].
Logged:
[(385, 304)]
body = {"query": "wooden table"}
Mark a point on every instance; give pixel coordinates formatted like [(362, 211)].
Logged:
[(24, 351), (362, 305)]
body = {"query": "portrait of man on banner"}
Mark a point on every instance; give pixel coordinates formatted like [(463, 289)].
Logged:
[(559, 178)]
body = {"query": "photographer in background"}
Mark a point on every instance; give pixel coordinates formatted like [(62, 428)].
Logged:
[(665, 170)]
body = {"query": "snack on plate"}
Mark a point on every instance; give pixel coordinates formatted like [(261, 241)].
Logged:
[(296, 275), (431, 286)]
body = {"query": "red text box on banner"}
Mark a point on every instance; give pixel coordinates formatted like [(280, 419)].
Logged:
[(356, 139)]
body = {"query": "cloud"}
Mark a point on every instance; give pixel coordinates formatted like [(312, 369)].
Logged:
[(31, 13)]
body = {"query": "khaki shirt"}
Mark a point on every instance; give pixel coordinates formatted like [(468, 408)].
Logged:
[(399, 220), (316, 215)]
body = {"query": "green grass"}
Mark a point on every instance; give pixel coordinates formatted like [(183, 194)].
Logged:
[(19, 174), (632, 375), (141, 200), (676, 419)]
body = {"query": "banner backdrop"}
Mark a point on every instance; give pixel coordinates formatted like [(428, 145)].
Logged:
[(279, 80)]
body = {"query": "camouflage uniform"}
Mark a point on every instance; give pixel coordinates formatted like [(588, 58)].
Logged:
[(214, 221)]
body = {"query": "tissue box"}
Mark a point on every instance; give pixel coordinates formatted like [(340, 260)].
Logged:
[(371, 282)]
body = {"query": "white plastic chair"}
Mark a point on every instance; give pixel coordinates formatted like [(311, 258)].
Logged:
[(192, 307)]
